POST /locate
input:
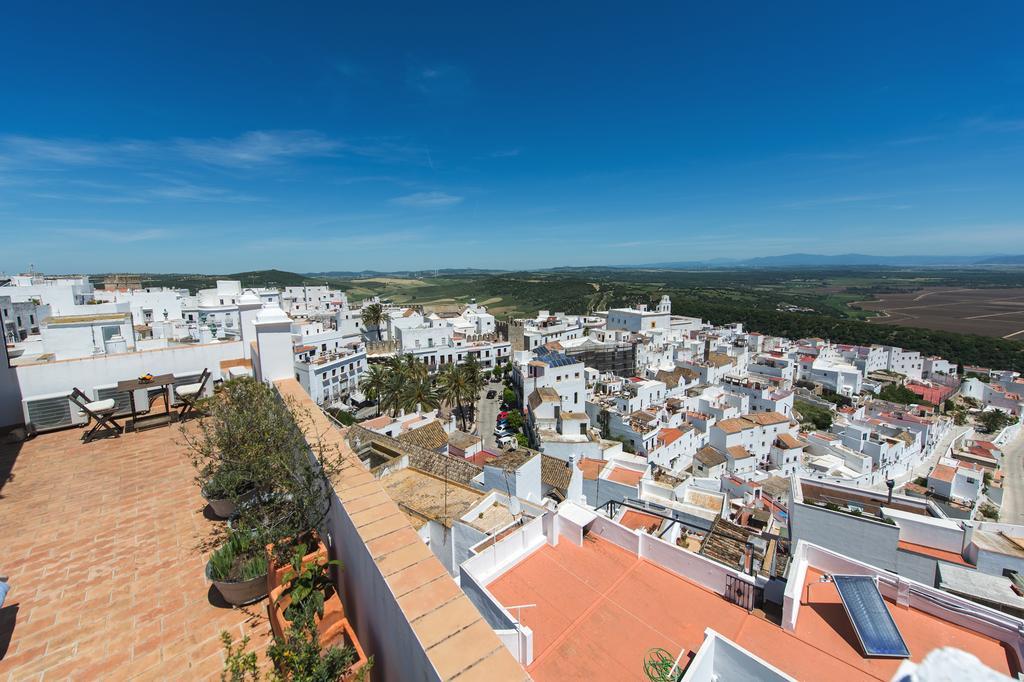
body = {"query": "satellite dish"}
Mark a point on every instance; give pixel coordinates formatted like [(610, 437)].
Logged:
[(515, 507)]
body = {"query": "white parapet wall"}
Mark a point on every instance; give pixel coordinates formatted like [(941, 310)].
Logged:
[(102, 370)]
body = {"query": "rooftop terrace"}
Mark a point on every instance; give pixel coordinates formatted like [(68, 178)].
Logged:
[(105, 544), (599, 607)]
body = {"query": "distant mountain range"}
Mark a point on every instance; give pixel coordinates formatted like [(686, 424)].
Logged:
[(846, 259)]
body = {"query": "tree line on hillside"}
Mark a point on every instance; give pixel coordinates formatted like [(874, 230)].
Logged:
[(966, 349)]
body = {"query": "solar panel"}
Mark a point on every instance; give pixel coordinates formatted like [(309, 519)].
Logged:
[(871, 619)]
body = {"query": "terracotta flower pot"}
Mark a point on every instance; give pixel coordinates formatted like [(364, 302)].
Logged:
[(334, 611), (333, 630), (275, 574)]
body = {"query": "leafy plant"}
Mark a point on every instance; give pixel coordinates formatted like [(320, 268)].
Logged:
[(307, 586), (298, 657), (241, 557), (251, 435), (239, 664)]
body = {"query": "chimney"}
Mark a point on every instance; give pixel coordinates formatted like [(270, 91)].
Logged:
[(248, 307), (274, 345)]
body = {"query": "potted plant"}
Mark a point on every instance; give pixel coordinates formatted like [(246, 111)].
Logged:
[(277, 571), (306, 591), (224, 489), (238, 568)]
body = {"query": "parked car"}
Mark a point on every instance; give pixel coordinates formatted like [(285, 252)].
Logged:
[(491, 394), (508, 442), (503, 414), (501, 432)]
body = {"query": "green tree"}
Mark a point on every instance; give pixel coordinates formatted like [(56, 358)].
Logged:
[(898, 393), (375, 317), (373, 382), (515, 420), (454, 389), (420, 392), (995, 420)]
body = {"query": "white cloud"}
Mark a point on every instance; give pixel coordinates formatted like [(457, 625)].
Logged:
[(988, 125), (124, 236), (427, 199), (259, 147)]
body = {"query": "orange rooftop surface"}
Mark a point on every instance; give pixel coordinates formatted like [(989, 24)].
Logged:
[(599, 608)]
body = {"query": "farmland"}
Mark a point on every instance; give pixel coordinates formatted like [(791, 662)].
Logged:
[(987, 312)]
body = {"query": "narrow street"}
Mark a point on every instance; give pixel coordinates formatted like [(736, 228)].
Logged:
[(486, 415), (1012, 510)]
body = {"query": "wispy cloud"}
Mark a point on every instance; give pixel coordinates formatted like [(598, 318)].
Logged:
[(990, 125), (504, 153), (125, 236), (24, 150), (829, 156), (259, 147), (438, 79), (427, 199), (914, 139), (832, 201)]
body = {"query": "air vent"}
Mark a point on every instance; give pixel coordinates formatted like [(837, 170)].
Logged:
[(46, 413)]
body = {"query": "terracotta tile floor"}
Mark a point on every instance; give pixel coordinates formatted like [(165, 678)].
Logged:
[(105, 544)]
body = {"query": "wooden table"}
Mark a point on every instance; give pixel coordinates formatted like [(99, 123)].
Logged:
[(132, 385)]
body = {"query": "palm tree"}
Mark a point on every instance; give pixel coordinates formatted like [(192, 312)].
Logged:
[(454, 388), (393, 393), (414, 369), (474, 381), (375, 316), (420, 392), (373, 382)]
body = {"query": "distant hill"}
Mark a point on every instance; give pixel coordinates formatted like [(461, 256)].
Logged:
[(840, 260), (1003, 260), (415, 274)]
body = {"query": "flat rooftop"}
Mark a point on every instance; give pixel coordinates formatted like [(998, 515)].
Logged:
[(105, 544), (422, 497), (599, 608)]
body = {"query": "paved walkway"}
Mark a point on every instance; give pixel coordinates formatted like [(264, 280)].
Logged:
[(106, 545), (1012, 510)]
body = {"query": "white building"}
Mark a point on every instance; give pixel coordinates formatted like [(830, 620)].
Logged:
[(640, 318)]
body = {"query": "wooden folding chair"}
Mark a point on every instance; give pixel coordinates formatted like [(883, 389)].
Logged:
[(100, 412), (190, 394)]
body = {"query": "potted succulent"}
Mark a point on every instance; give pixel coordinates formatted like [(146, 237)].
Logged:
[(238, 568)]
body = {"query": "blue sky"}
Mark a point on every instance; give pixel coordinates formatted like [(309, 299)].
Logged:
[(220, 137)]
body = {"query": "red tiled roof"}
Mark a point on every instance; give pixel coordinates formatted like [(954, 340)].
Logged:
[(943, 472), (668, 435), (625, 476), (637, 519), (951, 557)]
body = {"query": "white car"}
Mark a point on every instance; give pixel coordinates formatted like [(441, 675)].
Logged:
[(508, 442)]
